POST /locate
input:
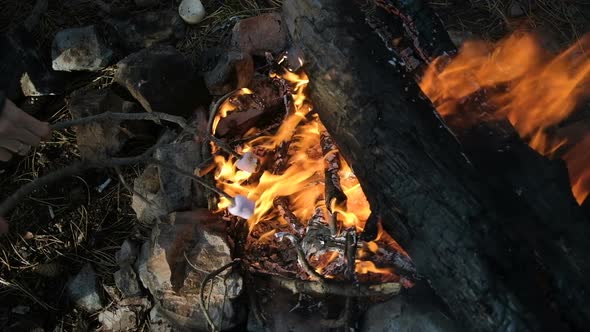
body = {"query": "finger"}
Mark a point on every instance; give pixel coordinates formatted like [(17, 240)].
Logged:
[(15, 146), (27, 137), (39, 128), (22, 119), (5, 155), (3, 226)]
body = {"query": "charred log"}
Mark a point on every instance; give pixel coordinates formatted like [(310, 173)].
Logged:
[(496, 267)]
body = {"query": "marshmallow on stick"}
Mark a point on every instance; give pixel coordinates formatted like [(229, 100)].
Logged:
[(242, 207)]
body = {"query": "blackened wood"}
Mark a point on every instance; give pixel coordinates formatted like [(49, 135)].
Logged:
[(526, 182), (496, 271), (334, 195)]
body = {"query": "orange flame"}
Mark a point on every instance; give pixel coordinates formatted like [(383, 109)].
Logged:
[(227, 107), (302, 181), (532, 88), (364, 267)]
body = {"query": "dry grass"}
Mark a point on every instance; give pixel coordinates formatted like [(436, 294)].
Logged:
[(560, 22), (215, 28)]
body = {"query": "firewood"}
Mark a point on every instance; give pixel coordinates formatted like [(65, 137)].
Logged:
[(492, 258)]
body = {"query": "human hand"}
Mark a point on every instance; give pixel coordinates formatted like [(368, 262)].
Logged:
[(3, 226), (19, 131)]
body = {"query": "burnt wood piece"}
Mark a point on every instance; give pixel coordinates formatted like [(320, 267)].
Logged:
[(423, 30), (334, 195), (496, 271), (284, 207)]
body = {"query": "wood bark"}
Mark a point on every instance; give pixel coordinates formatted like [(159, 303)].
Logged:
[(498, 264)]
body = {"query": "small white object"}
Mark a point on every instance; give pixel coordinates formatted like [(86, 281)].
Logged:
[(248, 163), (103, 186), (51, 213), (243, 207), (191, 11)]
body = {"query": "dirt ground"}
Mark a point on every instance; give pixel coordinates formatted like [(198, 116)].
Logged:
[(58, 229)]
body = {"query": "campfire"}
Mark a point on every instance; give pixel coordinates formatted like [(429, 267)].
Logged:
[(326, 165), (306, 195)]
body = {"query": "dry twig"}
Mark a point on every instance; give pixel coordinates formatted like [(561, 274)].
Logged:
[(302, 260), (333, 288), (207, 278)]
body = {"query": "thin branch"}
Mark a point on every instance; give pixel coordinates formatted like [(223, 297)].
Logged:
[(79, 167), (210, 276), (215, 108), (133, 191), (156, 117), (302, 260), (110, 116), (74, 169), (333, 288), (192, 176), (196, 268)]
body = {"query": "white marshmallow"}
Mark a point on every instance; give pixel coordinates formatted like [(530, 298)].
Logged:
[(243, 207), (191, 11), (248, 163)]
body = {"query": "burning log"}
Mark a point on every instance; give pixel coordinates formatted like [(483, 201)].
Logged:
[(491, 265)]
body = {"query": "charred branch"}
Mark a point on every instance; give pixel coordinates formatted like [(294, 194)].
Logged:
[(284, 209), (332, 288)]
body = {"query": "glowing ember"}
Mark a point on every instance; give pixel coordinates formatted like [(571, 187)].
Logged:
[(533, 89)]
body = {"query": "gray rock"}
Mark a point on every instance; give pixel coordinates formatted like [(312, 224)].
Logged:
[(147, 202), (146, 29), (415, 310), (80, 49), (118, 320), (23, 71), (259, 34), (159, 323), (99, 139), (127, 254), (234, 70), (126, 281), (83, 291), (161, 191), (162, 80), (176, 285)]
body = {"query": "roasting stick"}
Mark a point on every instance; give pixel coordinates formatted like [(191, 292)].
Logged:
[(240, 205)]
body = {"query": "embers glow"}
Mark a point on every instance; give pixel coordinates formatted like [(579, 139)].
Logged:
[(535, 90)]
